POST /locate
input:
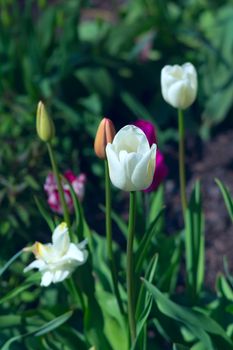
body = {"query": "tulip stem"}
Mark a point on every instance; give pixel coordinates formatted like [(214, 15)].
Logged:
[(182, 162), (108, 223), (130, 267), (59, 185)]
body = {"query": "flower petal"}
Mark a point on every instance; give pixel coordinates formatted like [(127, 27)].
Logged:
[(47, 278), (60, 275), (36, 264), (131, 139), (116, 169), (74, 253), (143, 173), (61, 239)]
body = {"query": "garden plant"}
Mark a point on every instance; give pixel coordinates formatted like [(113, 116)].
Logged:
[(125, 284)]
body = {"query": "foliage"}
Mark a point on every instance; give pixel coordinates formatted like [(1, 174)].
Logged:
[(86, 62)]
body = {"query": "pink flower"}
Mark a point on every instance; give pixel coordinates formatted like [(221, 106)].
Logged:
[(50, 187), (161, 169)]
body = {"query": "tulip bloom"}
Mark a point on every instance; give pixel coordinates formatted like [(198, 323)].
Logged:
[(161, 169), (57, 260), (179, 85), (50, 186), (131, 160)]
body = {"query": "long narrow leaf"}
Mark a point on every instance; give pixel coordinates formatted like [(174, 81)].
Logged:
[(9, 262), (227, 197), (48, 327), (44, 214), (194, 243), (146, 241), (199, 324)]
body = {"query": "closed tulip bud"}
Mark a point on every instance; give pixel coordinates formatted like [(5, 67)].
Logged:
[(104, 135), (44, 124), (131, 160), (179, 85)]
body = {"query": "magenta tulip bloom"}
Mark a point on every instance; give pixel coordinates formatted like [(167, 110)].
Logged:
[(50, 187), (161, 169)]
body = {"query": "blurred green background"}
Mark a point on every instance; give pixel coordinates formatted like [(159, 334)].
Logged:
[(89, 59)]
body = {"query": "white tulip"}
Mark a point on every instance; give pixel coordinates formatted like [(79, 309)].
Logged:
[(131, 160), (57, 260), (179, 85)]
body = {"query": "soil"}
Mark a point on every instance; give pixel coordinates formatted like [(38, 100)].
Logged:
[(206, 161)]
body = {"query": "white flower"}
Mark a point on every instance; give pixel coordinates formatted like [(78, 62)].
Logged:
[(179, 85), (57, 260), (131, 160)]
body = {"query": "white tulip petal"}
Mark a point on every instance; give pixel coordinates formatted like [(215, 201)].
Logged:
[(142, 176), (47, 278), (177, 94), (116, 170), (130, 138)]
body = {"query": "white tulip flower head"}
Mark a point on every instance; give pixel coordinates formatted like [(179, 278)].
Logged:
[(179, 85), (57, 260), (131, 160)]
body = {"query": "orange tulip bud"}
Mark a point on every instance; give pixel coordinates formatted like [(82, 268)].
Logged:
[(104, 135)]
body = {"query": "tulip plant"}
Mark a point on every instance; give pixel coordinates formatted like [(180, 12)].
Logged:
[(89, 292)]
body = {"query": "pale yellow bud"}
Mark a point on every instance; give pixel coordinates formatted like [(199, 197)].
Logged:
[(44, 124)]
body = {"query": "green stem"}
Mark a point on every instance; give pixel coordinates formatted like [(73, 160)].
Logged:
[(182, 162), (130, 268), (108, 222), (59, 185)]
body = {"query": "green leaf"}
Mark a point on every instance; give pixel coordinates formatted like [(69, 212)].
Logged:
[(48, 327), (150, 273), (9, 262), (8, 321), (145, 243), (227, 197), (194, 243), (118, 220), (83, 229), (15, 292), (199, 324), (144, 305), (44, 214), (55, 323), (114, 323), (223, 287), (78, 212)]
